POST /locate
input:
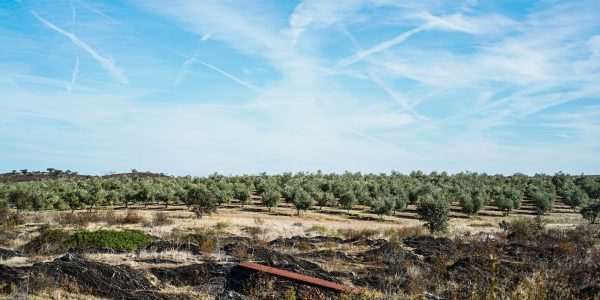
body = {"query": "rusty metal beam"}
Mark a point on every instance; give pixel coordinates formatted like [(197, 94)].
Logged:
[(303, 279)]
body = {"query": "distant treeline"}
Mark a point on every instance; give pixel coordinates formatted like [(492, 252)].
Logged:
[(384, 193)]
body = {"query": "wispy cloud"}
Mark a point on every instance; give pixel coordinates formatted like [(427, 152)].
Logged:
[(184, 69), (206, 36), (404, 103), (228, 75), (382, 46), (106, 63), (74, 74), (186, 66)]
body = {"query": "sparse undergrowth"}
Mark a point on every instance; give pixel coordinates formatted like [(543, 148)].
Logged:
[(527, 261)]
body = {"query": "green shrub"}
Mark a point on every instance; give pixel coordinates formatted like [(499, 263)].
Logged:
[(127, 240), (49, 241)]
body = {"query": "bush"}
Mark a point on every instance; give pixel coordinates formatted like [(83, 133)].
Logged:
[(320, 229), (205, 238), (132, 218), (161, 218), (49, 241), (221, 226), (435, 214), (126, 240), (524, 229), (9, 219), (110, 217), (81, 219)]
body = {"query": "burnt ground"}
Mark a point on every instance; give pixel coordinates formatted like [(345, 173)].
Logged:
[(554, 265)]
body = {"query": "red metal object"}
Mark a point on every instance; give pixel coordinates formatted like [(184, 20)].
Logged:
[(303, 279)]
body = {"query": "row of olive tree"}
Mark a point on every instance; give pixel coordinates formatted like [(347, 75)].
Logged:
[(385, 194)]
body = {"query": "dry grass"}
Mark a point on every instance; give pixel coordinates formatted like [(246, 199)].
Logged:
[(17, 261), (319, 229), (221, 226), (60, 294), (258, 220), (160, 219), (137, 259), (351, 233), (132, 217)]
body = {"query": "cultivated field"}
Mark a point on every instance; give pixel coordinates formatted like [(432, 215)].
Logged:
[(149, 251)]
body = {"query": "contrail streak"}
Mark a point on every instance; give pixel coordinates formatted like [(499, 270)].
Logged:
[(104, 62), (74, 74), (380, 47), (194, 59)]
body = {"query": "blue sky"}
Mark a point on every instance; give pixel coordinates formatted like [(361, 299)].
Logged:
[(194, 87)]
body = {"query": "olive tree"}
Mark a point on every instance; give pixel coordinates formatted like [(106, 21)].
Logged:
[(471, 203), (575, 197), (20, 199), (383, 205), (302, 200), (74, 197), (348, 200), (508, 199), (591, 211), (325, 199), (543, 200), (202, 200), (435, 213), (270, 198), (242, 193)]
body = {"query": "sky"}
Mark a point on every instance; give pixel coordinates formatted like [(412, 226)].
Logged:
[(242, 87)]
